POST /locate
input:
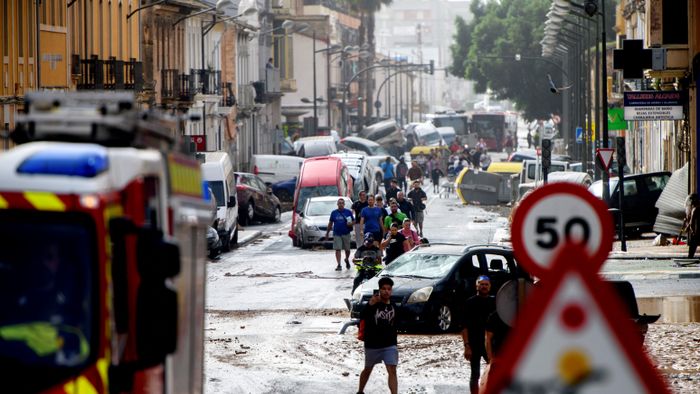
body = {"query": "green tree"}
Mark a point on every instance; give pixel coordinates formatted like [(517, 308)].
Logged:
[(484, 51)]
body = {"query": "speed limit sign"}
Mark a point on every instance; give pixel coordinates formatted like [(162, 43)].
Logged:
[(555, 214)]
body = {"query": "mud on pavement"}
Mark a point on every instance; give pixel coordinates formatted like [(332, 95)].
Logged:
[(299, 351)]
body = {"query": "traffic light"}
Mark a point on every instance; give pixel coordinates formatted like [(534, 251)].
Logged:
[(621, 154), (546, 153), (591, 7), (431, 70)]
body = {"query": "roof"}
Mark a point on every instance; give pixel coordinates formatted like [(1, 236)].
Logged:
[(318, 166), (327, 198), (505, 167), (360, 140)]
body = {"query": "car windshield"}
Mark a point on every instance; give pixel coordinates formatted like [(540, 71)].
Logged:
[(459, 123), (314, 191), (428, 135), (47, 280), (424, 265), (217, 187), (376, 150), (597, 187), (321, 208)]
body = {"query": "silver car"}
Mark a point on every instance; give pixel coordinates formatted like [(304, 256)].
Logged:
[(311, 229)]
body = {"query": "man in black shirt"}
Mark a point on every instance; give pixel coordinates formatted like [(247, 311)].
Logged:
[(405, 206), (395, 243), (392, 190), (476, 312), (357, 210), (418, 198), (380, 317)]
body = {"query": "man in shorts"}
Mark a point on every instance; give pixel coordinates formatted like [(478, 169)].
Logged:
[(341, 221), (380, 335), (418, 198)]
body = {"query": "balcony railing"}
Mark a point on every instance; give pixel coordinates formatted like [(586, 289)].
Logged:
[(111, 74), (169, 84), (206, 81), (246, 96), (229, 99), (272, 80)]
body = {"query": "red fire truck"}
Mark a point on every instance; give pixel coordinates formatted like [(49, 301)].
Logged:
[(102, 250)]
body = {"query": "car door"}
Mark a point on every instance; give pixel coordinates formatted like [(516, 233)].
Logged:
[(265, 204), (468, 269)]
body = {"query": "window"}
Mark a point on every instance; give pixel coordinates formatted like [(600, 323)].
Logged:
[(675, 22), (630, 187), (497, 263)]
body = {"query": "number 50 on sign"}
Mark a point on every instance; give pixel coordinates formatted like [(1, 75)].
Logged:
[(555, 214)]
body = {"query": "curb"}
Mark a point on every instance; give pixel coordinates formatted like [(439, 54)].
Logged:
[(247, 238), (660, 275)]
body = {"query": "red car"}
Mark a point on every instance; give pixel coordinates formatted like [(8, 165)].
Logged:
[(255, 200)]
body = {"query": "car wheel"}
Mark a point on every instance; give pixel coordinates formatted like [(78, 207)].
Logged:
[(225, 241), (234, 241), (249, 212), (278, 215), (444, 319)]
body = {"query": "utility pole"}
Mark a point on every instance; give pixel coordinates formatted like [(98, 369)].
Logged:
[(419, 32)]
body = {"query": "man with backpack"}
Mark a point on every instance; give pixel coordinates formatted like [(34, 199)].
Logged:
[(378, 323)]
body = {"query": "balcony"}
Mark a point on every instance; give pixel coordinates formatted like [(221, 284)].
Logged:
[(272, 81), (110, 74), (206, 82), (229, 98)]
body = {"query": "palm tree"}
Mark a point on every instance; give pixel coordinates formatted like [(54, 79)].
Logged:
[(367, 9)]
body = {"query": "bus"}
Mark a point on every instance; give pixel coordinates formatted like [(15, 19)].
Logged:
[(491, 126)]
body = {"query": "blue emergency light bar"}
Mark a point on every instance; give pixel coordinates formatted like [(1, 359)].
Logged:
[(86, 162)]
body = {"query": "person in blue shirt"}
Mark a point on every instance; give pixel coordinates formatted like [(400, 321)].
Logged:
[(371, 219), (389, 173), (341, 221)]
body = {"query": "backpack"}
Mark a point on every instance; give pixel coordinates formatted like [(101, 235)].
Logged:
[(361, 330)]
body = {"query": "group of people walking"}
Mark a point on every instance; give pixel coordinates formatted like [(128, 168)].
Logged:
[(483, 333), (394, 227)]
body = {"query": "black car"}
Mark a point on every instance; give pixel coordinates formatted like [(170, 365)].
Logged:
[(638, 206), (433, 282)]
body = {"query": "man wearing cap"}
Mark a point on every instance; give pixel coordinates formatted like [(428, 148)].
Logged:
[(476, 312)]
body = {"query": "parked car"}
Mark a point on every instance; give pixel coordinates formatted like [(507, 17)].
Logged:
[(285, 190), (387, 134), (376, 162), (320, 176), (640, 194), (370, 147), (311, 228), (423, 134), (448, 134), (213, 243), (256, 201), (217, 171), (276, 168), (433, 282), (315, 146), (362, 173)]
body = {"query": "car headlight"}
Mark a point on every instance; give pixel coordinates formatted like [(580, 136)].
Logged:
[(310, 227), (420, 295), (357, 294)]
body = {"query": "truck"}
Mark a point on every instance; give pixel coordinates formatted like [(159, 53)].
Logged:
[(102, 264)]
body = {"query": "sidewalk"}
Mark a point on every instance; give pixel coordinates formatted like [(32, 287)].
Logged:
[(246, 236)]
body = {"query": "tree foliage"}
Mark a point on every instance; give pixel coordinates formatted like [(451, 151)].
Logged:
[(484, 51)]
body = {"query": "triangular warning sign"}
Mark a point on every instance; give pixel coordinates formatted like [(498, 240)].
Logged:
[(605, 157), (573, 336)]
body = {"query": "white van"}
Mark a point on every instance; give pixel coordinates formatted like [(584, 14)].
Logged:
[(276, 168), (532, 170), (217, 170)]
